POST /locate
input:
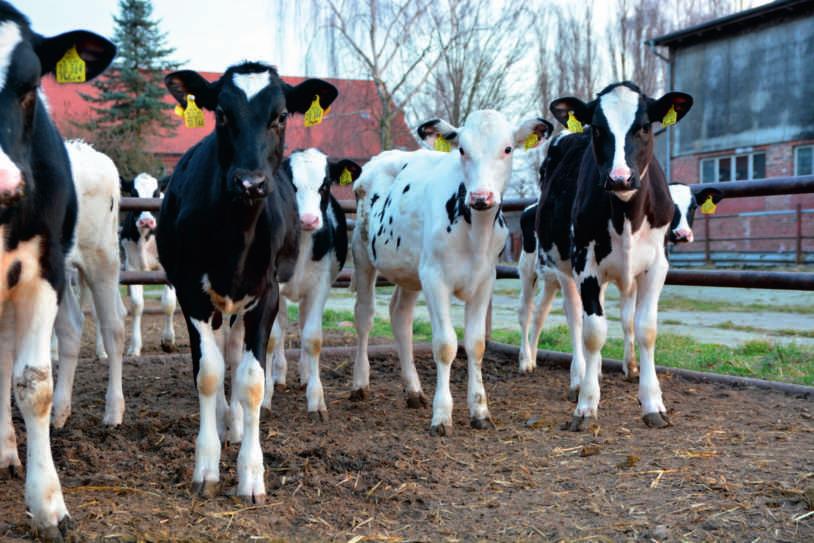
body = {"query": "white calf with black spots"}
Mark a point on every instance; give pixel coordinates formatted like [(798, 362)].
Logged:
[(430, 221)]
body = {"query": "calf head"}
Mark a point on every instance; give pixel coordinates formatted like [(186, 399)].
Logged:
[(251, 105), (143, 185), (686, 203), (621, 137), (485, 144), (312, 174), (25, 57)]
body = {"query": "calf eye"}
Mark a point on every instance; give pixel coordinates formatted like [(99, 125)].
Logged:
[(645, 128), (220, 116), (283, 116), (507, 150), (461, 149)]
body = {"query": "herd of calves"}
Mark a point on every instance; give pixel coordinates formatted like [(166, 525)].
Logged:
[(242, 228)]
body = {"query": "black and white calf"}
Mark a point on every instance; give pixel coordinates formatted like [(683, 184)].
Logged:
[(322, 253), (533, 271), (619, 220), (227, 235), (140, 254), (430, 221), (38, 210)]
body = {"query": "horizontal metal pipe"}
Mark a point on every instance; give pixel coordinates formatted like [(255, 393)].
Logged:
[(563, 360), (771, 186), (139, 204)]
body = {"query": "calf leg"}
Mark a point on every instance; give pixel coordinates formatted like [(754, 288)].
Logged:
[(594, 334), (364, 277), (312, 307), (68, 328), (650, 285), (104, 285), (35, 304), (137, 308), (402, 305), (168, 308), (277, 367), (249, 383), (234, 353), (528, 283), (444, 349), (630, 365), (9, 459), (208, 360), (572, 304), (475, 344), (541, 311)]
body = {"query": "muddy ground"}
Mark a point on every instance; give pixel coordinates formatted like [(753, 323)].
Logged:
[(738, 464)]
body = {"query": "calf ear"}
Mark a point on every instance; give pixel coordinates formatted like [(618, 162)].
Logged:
[(335, 169), (561, 107), (702, 195), (298, 99), (681, 102), (429, 132), (96, 51), (126, 187), (538, 127), (186, 82)]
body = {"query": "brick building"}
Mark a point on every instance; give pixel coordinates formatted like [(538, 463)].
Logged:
[(753, 117), (349, 130)]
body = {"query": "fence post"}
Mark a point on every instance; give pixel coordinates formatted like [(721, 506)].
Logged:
[(707, 257), (799, 233)]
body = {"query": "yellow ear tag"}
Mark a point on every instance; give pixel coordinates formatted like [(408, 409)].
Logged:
[(441, 144), (179, 110), (531, 141), (345, 178), (193, 116), (708, 207), (314, 114), (573, 124), (670, 119), (71, 68)]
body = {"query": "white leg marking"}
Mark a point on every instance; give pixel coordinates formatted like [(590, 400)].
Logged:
[(311, 308), (402, 305), (475, 345), (137, 308), (250, 383), (68, 328), (628, 305), (364, 310), (650, 285), (444, 349), (9, 459), (234, 352), (168, 303), (210, 379), (572, 305), (104, 285)]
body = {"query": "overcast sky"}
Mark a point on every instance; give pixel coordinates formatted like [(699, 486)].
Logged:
[(207, 35)]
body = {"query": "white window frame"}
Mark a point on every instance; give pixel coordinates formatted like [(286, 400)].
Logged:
[(732, 166), (796, 150)]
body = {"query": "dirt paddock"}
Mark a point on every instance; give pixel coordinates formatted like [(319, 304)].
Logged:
[(738, 464)]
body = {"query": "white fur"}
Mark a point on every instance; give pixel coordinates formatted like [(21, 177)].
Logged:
[(620, 106), (251, 84), (417, 252), (95, 257), (10, 37), (308, 171), (682, 197)]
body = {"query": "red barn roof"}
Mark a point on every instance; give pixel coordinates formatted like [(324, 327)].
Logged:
[(349, 130)]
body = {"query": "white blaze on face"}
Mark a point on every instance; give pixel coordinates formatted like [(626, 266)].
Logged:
[(683, 199), (146, 185), (308, 171), (486, 166), (10, 175), (251, 84), (619, 107)]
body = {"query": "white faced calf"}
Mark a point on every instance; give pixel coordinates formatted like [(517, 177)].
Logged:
[(140, 253), (431, 221), (322, 252)]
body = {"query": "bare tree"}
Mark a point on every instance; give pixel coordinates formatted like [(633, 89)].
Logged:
[(632, 23), (391, 42)]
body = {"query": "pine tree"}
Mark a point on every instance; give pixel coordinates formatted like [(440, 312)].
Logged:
[(129, 108)]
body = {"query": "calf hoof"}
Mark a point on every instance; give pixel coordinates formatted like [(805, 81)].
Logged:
[(416, 400), (632, 372), (133, 352), (527, 367), (253, 499), (656, 420), (206, 489), (573, 395), (482, 424), (441, 430), (13, 471), (56, 534), (579, 423), (59, 418), (168, 346), (318, 416), (360, 394)]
